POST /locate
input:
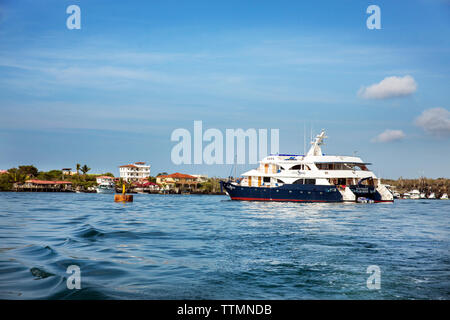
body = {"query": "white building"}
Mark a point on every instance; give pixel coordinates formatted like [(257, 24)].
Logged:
[(104, 179), (135, 171)]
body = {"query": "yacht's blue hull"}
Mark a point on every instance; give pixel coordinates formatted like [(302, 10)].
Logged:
[(291, 192), (296, 193)]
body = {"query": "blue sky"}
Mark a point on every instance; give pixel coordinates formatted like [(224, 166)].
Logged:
[(112, 92)]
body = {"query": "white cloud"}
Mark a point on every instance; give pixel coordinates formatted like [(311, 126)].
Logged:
[(389, 87), (435, 121), (389, 136)]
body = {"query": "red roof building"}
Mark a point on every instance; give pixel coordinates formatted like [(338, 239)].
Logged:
[(46, 182), (178, 175), (177, 181)]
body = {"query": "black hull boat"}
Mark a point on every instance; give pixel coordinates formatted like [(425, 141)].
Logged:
[(299, 193)]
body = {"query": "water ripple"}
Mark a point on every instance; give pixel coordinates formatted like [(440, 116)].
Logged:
[(207, 247)]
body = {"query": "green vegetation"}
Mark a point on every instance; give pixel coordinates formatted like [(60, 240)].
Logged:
[(17, 175), (426, 185), (22, 173), (50, 175), (212, 185), (82, 182), (6, 182)]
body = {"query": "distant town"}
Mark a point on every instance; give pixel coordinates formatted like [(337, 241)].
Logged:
[(135, 176)]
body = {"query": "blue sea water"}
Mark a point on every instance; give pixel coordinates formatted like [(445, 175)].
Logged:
[(208, 247)]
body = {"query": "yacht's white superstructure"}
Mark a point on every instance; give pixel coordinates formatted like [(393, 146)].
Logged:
[(311, 177)]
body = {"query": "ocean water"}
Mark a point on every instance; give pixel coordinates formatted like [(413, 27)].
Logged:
[(208, 247)]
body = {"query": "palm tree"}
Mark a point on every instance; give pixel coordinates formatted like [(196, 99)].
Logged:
[(85, 169), (78, 168)]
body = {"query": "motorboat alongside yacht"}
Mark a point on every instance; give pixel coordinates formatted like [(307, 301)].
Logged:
[(313, 177)]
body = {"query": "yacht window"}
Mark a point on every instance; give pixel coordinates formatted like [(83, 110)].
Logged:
[(298, 181), (310, 181), (297, 167), (341, 166), (266, 179)]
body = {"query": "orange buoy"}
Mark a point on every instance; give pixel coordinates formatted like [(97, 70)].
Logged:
[(123, 197)]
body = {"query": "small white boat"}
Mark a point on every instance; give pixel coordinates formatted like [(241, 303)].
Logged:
[(414, 194), (397, 195), (106, 187), (364, 200), (444, 196), (432, 196), (406, 196), (423, 196)]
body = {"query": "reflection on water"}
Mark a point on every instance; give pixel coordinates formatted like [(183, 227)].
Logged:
[(200, 247)]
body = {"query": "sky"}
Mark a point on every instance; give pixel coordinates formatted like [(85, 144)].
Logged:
[(113, 91)]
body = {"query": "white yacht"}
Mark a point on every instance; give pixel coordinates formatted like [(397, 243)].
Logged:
[(444, 196), (432, 196), (313, 177), (106, 187)]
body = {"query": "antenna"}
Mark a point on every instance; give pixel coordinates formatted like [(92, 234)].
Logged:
[(235, 165), (304, 138)]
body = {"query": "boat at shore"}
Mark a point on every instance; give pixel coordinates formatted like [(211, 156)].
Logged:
[(444, 196), (106, 187), (414, 194), (432, 196), (313, 177)]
